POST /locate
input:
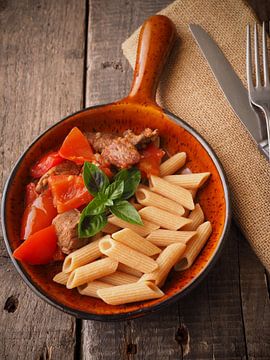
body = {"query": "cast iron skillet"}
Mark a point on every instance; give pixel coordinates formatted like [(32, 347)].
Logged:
[(137, 111)]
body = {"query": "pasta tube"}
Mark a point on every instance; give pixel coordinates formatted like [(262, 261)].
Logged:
[(166, 260), (193, 193), (194, 246), (90, 289), (136, 242), (110, 228), (61, 278), (119, 278), (173, 164), (82, 256), (163, 218), (149, 198), (128, 270), (123, 294), (124, 254), (167, 237), (171, 191), (91, 272), (197, 217), (188, 181), (142, 230)]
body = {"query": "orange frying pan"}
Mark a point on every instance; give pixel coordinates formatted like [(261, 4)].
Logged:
[(137, 111)]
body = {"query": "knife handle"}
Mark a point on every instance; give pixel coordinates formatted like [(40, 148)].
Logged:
[(264, 148)]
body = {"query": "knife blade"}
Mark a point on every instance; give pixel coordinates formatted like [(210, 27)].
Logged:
[(231, 85)]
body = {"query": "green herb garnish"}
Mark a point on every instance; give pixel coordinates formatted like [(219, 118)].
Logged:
[(109, 198)]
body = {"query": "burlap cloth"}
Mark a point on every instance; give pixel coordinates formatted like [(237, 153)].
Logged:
[(189, 90)]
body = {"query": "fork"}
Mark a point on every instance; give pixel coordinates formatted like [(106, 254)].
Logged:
[(259, 95)]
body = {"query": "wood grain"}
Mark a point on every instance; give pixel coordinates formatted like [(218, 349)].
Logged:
[(212, 312), (42, 60), (255, 302), (46, 73)]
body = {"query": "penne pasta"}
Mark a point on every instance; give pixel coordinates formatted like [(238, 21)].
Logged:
[(149, 198), (162, 237), (123, 294), (193, 193), (173, 164), (166, 260), (124, 254), (197, 217), (163, 218), (119, 278), (188, 181), (195, 246), (61, 278), (110, 228), (128, 270), (91, 272), (82, 256), (136, 242), (91, 288), (142, 230), (171, 191)]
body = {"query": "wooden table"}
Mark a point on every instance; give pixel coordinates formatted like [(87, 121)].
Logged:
[(58, 57)]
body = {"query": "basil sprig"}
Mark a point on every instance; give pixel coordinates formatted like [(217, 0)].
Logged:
[(108, 198)]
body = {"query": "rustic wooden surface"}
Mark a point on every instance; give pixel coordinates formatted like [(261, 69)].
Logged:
[(56, 57)]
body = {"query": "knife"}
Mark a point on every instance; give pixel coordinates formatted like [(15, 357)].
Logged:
[(232, 87)]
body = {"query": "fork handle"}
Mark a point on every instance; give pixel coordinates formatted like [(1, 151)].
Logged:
[(264, 146)]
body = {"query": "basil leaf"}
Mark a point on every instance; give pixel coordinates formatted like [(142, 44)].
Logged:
[(125, 211), (97, 205), (90, 225), (94, 179), (131, 178), (109, 202), (115, 190)]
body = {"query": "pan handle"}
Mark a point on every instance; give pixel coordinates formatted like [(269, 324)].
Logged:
[(156, 38)]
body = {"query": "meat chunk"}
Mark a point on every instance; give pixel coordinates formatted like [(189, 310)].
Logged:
[(143, 138), (65, 168), (121, 153), (99, 140), (66, 227)]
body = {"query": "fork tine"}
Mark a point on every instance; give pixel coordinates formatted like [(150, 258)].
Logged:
[(257, 61), (249, 60), (265, 56)]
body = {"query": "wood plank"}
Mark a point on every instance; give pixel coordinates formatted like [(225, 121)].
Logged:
[(212, 312), (255, 302), (41, 80), (110, 23), (157, 336)]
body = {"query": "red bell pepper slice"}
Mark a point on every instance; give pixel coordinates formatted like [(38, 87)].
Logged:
[(76, 147), (39, 248), (38, 215), (69, 192), (150, 160), (45, 163)]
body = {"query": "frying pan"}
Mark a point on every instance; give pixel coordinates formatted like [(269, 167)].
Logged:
[(136, 111)]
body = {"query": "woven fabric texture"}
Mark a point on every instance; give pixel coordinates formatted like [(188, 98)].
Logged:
[(189, 90)]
